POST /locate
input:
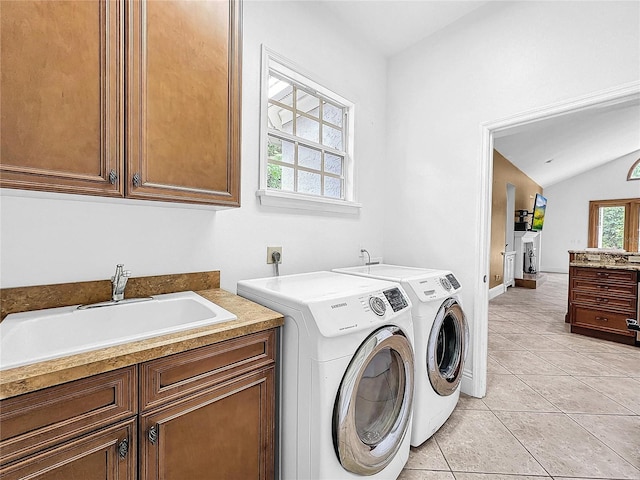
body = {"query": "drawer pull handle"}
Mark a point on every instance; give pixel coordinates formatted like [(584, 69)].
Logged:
[(123, 448), (603, 287), (153, 434), (602, 319), (602, 300), (601, 274)]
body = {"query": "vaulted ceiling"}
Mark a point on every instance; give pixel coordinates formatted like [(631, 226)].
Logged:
[(548, 151), (556, 149)]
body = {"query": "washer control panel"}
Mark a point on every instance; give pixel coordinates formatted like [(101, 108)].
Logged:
[(377, 306), (337, 316), (396, 299)]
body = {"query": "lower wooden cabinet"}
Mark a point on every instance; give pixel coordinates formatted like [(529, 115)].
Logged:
[(600, 301), (205, 413), (108, 454), (223, 432)]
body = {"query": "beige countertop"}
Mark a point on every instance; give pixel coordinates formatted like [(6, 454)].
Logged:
[(252, 318)]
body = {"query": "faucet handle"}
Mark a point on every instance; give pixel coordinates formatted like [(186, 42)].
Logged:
[(126, 273), (118, 273)]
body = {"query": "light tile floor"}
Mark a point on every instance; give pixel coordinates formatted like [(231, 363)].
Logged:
[(558, 405)]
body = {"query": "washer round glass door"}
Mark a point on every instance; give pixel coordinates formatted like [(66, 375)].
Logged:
[(447, 348), (373, 406)]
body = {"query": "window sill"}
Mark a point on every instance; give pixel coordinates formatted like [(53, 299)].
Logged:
[(299, 201)]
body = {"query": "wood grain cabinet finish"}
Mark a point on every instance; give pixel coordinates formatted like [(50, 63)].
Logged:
[(227, 429), (600, 300), (120, 98), (38, 420), (183, 71), (85, 429), (204, 413), (107, 454), (61, 115), (211, 409)]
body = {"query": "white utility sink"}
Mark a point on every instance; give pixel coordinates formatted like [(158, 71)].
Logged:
[(35, 336)]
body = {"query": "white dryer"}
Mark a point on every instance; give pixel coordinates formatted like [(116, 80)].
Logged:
[(441, 340), (347, 368)]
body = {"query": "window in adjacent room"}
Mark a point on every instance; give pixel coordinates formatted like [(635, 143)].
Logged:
[(306, 153), (634, 171), (615, 224)]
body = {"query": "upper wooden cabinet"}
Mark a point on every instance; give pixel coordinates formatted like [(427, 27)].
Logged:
[(62, 85), (122, 98)]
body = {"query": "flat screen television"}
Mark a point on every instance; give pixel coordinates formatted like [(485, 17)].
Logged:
[(539, 208)]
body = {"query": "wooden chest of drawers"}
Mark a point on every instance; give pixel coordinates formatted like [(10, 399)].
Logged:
[(600, 300)]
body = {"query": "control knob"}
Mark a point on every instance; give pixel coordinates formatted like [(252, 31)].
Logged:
[(446, 284), (377, 305)]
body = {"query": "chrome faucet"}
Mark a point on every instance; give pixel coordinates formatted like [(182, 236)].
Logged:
[(119, 282)]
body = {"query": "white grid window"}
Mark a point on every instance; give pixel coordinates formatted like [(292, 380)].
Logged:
[(306, 138)]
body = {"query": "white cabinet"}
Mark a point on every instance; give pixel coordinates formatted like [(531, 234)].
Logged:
[(509, 269)]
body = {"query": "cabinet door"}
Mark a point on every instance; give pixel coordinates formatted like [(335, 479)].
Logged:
[(108, 454), (223, 432), (183, 83), (61, 105)]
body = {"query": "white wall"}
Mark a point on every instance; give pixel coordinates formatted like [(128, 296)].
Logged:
[(566, 223), (498, 61), (45, 240)]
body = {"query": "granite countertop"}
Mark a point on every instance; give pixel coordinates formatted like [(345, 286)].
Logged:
[(609, 259), (628, 266), (252, 318)]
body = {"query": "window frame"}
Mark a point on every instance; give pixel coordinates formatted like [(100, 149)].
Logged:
[(631, 222), (633, 167), (282, 67)]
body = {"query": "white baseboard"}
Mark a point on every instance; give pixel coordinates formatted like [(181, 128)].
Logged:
[(468, 385), (497, 290)]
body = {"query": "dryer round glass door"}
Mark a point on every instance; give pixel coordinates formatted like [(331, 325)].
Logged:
[(447, 348), (373, 406)]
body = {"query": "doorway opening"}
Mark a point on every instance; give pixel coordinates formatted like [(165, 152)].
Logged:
[(490, 130)]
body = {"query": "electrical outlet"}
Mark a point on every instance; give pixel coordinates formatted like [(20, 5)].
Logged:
[(497, 277), (270, 251)]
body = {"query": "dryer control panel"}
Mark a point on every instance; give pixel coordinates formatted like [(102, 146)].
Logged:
[(440, 285)]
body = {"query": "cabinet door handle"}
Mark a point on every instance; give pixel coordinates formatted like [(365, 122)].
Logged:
[(153, 434), (602, 319), (113, 177), (137, 181), (123, 448)]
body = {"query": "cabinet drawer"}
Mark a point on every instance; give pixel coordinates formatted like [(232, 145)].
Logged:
[(604, 274), (596, 287), (602, 320), (101, 454), (604, 300), (178, 375), (38, 420)]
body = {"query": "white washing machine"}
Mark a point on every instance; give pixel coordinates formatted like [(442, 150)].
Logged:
[(441, 340), (347, 369)]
